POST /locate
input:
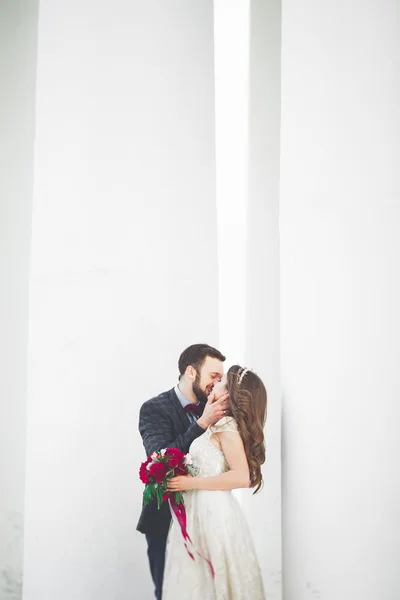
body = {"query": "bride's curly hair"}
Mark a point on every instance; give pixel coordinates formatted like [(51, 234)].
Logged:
[(248, 400)]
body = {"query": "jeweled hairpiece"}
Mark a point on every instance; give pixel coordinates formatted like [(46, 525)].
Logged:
[(242, 374)]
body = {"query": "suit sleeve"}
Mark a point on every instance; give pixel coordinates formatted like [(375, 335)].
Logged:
[(157, 430)]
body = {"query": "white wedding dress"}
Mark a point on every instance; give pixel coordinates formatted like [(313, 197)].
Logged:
[(218, 530)]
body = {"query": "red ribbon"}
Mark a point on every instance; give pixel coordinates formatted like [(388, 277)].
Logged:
[(178, 513)]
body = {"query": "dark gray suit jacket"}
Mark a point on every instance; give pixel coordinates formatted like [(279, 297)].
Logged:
[(163, 424)]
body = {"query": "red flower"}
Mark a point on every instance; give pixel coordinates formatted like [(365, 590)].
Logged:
[(173, 456), (143, 472), (158, 470), (180, 470)]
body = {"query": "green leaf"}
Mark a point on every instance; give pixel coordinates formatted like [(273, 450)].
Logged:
[(159, 494), (148, 494)]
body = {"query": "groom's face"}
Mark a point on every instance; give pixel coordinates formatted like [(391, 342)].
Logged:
[(211, 371)]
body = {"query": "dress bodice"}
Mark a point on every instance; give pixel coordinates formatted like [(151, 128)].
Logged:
[(208, 460)]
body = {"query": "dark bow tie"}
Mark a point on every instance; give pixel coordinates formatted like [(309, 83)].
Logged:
[(193, 408)]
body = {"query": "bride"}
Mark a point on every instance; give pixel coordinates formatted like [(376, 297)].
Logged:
[(228, 456)]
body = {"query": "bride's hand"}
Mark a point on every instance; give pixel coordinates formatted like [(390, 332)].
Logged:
[(182, 483)]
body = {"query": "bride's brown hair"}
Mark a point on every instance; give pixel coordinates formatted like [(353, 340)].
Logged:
[(248, 399)]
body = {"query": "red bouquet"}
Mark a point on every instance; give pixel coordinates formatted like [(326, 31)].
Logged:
[(155, 473), (158, 468)]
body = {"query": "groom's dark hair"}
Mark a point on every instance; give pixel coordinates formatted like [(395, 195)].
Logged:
[(195, 356)]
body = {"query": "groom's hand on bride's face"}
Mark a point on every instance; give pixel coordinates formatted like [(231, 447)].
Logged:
[(214, 410)]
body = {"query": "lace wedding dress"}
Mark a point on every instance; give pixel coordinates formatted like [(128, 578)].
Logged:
[(218, 530)]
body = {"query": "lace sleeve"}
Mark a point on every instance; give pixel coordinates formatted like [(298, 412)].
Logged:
[(225, 424)]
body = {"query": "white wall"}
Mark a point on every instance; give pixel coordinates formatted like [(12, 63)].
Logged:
[(17, 85), (262, 283), (124, 273), (340, 298)]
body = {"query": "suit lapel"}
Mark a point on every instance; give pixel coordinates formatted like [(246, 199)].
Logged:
[(179, 409)]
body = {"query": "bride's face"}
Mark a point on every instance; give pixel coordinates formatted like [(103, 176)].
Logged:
[(220, 387)]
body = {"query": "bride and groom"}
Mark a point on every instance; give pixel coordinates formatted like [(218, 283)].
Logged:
[(220, 418)]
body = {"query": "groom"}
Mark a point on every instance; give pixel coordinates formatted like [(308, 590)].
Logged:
[(174, 419)]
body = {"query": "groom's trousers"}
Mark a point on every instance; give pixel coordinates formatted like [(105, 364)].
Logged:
[(156, 545)]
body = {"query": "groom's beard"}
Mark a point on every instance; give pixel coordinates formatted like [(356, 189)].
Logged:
[(200, 394)]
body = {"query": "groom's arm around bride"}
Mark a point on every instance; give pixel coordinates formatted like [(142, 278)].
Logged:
[(157, 427)]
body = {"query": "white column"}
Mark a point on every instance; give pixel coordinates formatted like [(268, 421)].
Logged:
[(17, 84), (340, 298), (262, 286), (232, 44), (247, 50), (124, 273)]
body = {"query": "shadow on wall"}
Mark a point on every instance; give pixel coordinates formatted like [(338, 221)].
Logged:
[(11, 576)]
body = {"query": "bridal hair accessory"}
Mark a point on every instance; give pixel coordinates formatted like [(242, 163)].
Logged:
[(242, 374)]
